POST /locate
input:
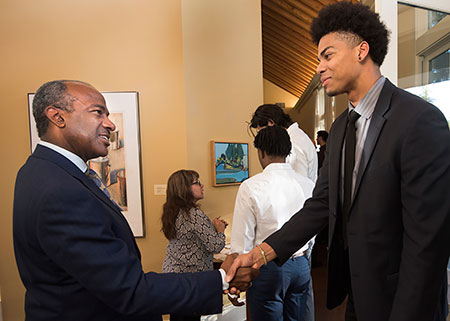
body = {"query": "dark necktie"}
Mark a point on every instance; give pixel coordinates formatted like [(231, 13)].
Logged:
[(350, 144), (98, 181)]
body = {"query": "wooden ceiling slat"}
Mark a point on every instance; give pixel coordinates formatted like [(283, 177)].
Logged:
[(289, 58), (297, 84), (294, 11), (280, 82), (288, 28), (291, 46), (289, 74), (303, 7), (289, 55), (270, 6), (294, 75), (286, 32)]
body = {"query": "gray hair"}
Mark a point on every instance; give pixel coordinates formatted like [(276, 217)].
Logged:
[(52, 93)]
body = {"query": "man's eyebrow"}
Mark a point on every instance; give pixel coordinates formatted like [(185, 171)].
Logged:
[(323, 51), (102, 107), (99, 106)]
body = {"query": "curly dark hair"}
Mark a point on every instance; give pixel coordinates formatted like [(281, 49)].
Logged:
[(274, 141), (272, 112), (354, 18)]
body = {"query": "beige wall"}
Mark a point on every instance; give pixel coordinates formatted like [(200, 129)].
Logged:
[(223, 86), (132, 45), (274, 94)]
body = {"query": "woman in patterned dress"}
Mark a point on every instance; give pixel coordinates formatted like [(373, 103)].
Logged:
[(193, 237)]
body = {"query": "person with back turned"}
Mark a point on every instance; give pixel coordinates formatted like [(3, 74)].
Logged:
[(381, 185)]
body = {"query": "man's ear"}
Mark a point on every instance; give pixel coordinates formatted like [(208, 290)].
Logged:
[(270, 122), (363, 50), (55, 116)]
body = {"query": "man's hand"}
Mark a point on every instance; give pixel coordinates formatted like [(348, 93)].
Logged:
[(242, 278), (234, 299)]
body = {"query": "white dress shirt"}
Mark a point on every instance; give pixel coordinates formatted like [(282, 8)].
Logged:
[(69, 155), (303, 157), (265, 202)]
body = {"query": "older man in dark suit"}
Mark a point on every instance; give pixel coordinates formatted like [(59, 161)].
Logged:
[(75, 252), (382, 186)]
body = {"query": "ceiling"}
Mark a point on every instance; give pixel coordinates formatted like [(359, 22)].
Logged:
[(289, 55)]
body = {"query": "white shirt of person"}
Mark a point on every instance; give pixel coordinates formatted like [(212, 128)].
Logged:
[(265, 202), (303, 157)]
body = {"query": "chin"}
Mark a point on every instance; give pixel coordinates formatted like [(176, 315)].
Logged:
[(102, 152), (332, 93)]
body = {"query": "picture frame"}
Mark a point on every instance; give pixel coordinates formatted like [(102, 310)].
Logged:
[(229, 163), (121, 168)]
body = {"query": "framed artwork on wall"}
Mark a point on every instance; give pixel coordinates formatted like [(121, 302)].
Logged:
[(120, 170), (229, 162)]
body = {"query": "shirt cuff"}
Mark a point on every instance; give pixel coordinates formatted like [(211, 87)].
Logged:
[(225, 284)]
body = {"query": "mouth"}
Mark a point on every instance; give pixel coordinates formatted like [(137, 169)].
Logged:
[(105, 138), (325, 81)]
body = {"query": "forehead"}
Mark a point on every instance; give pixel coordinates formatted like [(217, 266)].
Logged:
[(336, 41), (85, 94)]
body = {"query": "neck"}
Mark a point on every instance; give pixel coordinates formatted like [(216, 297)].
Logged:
[(273, 159), (367, 78)]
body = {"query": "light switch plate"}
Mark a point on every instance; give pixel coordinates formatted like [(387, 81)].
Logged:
[(160, 189)]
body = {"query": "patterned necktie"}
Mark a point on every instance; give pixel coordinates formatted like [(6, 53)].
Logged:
[(98, 181), (349, 164)]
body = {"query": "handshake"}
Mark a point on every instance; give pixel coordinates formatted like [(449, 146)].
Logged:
[(239, 278), (242, 269)]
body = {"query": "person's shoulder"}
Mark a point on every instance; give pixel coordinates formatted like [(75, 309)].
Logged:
[(415, 105), (252, 182)]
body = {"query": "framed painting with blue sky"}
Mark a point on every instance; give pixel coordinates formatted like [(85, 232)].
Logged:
[(229, 163)]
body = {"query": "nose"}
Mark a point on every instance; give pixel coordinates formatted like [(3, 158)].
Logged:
[(107, 123), (320, 68)]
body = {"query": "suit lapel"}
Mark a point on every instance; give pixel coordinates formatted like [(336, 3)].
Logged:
[(335, 150), (68, 166), (376, 124)]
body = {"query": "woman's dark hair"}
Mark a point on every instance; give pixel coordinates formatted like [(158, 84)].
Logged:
[(179, 199), (267, 112), (274, 141), (353, 18)]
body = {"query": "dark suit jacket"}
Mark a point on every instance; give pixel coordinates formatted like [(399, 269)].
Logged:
[(399, 225), (77, 256)]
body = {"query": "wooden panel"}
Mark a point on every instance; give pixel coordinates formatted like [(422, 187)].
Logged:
[(289, 55)]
